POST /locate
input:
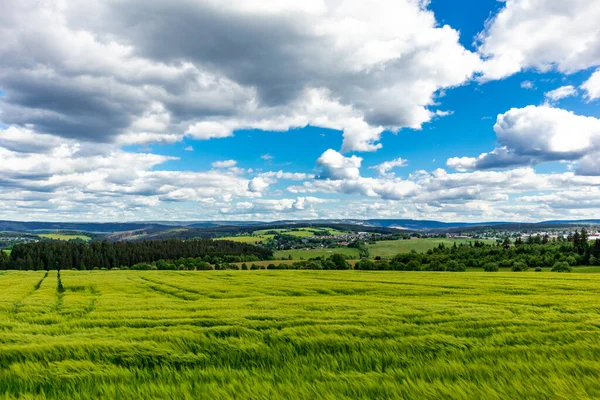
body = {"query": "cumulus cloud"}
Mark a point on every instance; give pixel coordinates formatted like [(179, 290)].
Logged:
[(527, 85), (385, 167), (274, 206), (224, 164), (94, 70), (592, 86), (336, 166), (541, 34), (561, 93), (535, 134)]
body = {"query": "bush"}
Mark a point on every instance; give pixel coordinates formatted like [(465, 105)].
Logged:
[(561, 267), (436, 265), (365, 265), (490, 267), (456, 266), (413, 266), (203, 266), (519, 266), (538, 269), (398, 266), (141, 267)]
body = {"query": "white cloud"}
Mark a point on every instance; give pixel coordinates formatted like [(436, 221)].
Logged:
[(592, 86), (224, 164), (385, 167), (541, 34), (258, 185), (527, 85), (536, 134), (347, 65), (267, 157), (561, 93), (188, 148), (336, 166)]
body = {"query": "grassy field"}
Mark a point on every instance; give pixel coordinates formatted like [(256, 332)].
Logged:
[(299, 254), (64, 236), (247, 239), (384, 248), (7, 251), (301, 232), (389, 248), (261, 235), (298, 335)]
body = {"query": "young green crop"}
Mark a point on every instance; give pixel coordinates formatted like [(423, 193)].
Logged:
[(298, 334)]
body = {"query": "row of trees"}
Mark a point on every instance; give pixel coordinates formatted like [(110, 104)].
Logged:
[(69, 255)]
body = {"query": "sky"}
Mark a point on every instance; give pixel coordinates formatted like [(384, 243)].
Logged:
[(181, 110)]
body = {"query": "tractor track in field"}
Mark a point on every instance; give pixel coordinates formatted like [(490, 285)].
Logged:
[(17, 305), (171, 290)]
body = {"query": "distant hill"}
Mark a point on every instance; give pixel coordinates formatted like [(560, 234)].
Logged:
[(161, 229)]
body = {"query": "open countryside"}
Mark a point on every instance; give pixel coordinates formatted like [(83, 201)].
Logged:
[(298, 334), (64, 236)]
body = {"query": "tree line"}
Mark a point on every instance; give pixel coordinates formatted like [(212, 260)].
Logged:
[(74, 255)]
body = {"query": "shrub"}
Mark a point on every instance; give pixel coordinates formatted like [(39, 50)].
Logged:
[(436, 265), (519, 266), (538, 269), (490, 267), (365, 264), (561, 267), (455, 266), (398, 266), (203, 266), (413, 266), (141, 267)]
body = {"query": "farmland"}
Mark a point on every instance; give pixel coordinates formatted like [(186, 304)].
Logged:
[(266, 234), (298, 334), (384, 248), (298, 254), (64, 236), (389, 248)]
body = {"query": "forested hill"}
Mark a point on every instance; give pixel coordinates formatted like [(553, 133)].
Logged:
[(67, 255)]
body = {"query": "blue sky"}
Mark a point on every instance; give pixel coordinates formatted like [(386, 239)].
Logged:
[(456, 111)]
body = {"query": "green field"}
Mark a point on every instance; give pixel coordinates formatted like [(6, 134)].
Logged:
[(299, 254), (301, 232), (262, 236), (299, 335), (389, 248), (384, 248), (64, 236), (7, 251), (247, 239)]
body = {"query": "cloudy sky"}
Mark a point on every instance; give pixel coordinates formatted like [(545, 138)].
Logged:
[(466, 110)]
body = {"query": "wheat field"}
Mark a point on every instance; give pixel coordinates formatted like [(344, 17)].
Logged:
[(298, 335)]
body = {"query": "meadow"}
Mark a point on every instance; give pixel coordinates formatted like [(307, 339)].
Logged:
[(298, 335), (383, 248), (263, 235), (64, 236)]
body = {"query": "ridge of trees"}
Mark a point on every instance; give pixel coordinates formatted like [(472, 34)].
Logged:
[(69, 255)]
